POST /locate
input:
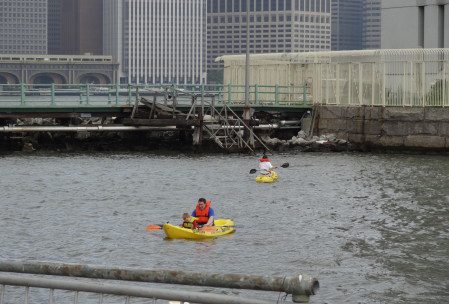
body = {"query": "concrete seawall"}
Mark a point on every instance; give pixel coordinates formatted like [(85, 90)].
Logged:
[(386, 127)]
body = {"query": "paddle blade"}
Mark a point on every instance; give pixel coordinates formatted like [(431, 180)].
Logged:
[(285, 165), (252, 171), (153, 227)]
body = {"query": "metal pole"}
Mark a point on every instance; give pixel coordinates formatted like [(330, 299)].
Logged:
[(247, 58), (125, 290), (247, 134), (298, 285)]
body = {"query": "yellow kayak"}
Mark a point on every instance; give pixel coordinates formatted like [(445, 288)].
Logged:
[(222, 227), (268, 178)]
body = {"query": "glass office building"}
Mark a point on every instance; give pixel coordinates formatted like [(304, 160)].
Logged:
[(371, 34), (275, 26), (347, 24), (23, 26)]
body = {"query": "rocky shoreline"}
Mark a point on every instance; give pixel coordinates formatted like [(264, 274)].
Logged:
[(150, 141)]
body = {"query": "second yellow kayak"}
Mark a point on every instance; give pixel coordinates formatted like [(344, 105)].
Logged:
[(268, 178)]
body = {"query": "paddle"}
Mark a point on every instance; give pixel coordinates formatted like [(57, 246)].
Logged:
[(153, 227), (284, 165)]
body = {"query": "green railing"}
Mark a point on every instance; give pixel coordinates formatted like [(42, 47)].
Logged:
[(91, 95)]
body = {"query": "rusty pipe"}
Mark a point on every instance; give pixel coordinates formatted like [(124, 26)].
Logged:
[(300, 286)]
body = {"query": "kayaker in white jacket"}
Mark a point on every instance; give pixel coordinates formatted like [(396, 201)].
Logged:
[(265, 165)]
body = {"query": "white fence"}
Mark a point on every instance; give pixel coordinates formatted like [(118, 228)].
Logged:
[(408, 77)]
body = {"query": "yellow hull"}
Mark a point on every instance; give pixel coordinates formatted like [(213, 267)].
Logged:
[(269, 178), (222, 227)]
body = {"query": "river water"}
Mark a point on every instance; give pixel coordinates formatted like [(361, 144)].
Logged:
[(372, 228)]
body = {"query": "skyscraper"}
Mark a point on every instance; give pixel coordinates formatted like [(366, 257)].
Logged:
[(23, 26), (157, 41), (347, 22), (275, 26), (75, 27), (371, 33)]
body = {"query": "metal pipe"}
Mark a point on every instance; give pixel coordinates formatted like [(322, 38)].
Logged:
[(123, 290), (259, 127), (121, 128), (289, 122), (298, 285), (99, 128)]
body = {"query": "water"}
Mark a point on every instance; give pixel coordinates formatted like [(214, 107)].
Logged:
[(371, 228)]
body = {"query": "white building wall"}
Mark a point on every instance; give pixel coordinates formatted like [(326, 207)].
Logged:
[(160, 41), (414, 24), (431, 21)]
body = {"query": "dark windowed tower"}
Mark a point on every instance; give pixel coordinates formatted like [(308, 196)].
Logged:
[(75, 27), (347, 22)]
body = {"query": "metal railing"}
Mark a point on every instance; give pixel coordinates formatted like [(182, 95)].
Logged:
[(41, 275), (402, 77), (85, 95)]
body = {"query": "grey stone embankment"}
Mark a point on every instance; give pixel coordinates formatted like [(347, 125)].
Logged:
[(405, 128)]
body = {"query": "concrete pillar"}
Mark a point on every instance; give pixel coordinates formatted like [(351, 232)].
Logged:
[(431, 24), (446, 26)]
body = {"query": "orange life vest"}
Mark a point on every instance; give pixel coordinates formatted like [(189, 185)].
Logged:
[(202, 215)]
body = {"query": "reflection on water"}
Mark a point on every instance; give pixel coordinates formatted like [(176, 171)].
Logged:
[(372, 228)]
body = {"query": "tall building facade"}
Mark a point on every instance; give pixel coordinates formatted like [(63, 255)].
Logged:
[(75, 27), (54, 26), (23, 27), (275, 26), (113, 30), (347, 24), (371, 33), (415, 24), (157, 41)]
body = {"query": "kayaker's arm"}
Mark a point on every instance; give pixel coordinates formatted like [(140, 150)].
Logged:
[(210, 222)]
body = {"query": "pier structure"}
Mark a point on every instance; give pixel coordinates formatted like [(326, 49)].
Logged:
[(389, 98), (210, 113)]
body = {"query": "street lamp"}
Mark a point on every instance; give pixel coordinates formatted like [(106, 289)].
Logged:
[(246, 114)]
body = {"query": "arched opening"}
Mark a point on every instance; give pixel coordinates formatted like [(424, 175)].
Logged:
[(94, 78), (8, 78), (45, 79)]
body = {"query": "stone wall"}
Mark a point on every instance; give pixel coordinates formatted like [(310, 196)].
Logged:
[(386, 127)]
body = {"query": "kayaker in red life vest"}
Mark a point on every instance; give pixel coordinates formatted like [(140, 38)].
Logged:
[(204, 213), (265, 165)]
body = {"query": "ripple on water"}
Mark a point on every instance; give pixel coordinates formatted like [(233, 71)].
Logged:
[(372, 228)]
